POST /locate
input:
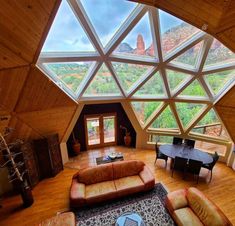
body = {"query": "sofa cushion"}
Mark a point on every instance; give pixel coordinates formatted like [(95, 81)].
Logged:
[(97, 174), (147, 177), (186, 217), (77, 194), (100, 192), (176, 200), (128, 185), (207, 211), (127, 168)]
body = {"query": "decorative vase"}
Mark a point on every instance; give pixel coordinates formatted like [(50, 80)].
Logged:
[(76, 147), (26, 194), (127, 140)]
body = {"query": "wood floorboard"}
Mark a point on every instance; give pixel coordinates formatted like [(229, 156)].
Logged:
[(52, 195)]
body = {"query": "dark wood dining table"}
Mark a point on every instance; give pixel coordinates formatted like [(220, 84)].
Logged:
[(172, 150)]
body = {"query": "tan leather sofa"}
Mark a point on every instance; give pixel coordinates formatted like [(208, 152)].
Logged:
[(191, 207), (109, 181)]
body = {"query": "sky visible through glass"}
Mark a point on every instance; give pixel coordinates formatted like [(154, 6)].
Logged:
[(67, 34)]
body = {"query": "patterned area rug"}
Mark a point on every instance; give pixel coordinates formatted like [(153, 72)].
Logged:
[(149, 205)]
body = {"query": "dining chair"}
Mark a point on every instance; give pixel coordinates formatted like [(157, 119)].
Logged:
[(177, 140), (211, 165), (194, 167), (189, 143), (160, 155), (180, 164)]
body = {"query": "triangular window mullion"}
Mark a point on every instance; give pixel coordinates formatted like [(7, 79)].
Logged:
[(89, 78), (142, 81), (111, 69), (160, 110), (177, 118)]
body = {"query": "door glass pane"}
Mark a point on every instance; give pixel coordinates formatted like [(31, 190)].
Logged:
[(93, 131), (109, 129)]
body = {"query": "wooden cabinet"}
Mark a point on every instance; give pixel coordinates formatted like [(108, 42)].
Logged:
[(31, 164), (48, 156), (27, 162)]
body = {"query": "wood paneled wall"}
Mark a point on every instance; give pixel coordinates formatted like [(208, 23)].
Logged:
[(226, 109), (30, 102)]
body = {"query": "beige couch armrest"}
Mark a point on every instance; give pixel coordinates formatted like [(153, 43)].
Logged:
[(148, 178), (176, 200), (77, 193), (63, 219)]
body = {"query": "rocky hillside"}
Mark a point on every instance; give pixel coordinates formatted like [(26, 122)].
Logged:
[(171, 39)]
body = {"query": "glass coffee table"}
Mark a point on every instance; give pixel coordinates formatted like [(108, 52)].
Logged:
[(130, 219)]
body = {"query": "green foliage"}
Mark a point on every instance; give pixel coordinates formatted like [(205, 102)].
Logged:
[(194, 89), (219, 79), (71, 74), (103, 83), (153, 87), (145, 109), (128, 74), (188, 111), (165, 120), (175, 78)]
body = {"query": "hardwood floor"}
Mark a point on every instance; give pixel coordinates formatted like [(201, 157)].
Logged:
[(51, 195)]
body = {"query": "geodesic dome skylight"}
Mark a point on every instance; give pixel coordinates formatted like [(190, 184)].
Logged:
[(170, 72)]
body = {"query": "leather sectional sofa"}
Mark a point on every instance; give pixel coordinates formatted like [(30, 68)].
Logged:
[(109, 181), (191, 207)]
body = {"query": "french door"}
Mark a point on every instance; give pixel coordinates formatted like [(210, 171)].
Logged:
[(100, 130)]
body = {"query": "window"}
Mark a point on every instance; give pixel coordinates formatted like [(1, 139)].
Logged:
[(111, 49)]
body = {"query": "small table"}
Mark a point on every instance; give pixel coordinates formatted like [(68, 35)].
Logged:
[(172, 150), (107, 159), (130, 219)]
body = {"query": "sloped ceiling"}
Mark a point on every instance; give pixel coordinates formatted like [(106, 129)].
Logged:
[(30, 102), (37, 107)]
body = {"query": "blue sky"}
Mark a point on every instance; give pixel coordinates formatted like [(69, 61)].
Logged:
[(106, 16)]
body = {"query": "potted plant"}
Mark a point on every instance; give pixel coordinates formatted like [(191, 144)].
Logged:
[(127, 137), (76, 145), (14, 168)]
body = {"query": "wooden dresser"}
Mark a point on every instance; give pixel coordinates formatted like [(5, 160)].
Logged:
[(48, 156)]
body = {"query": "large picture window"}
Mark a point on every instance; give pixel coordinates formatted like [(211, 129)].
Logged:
[(170, 72)]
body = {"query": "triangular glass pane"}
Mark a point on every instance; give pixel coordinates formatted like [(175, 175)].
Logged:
[(210, 125), (194, 89), (190, 57), (66, 33), (70, 74), (103, 84), (154, 87), (188, 111), (107, 16), (175, 79), (219, 80), (174, 32), (139, 41), (165, 120), (144, 109), (219, 55), (128, 74)]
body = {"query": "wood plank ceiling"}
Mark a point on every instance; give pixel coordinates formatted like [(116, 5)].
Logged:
[(32, 104)]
